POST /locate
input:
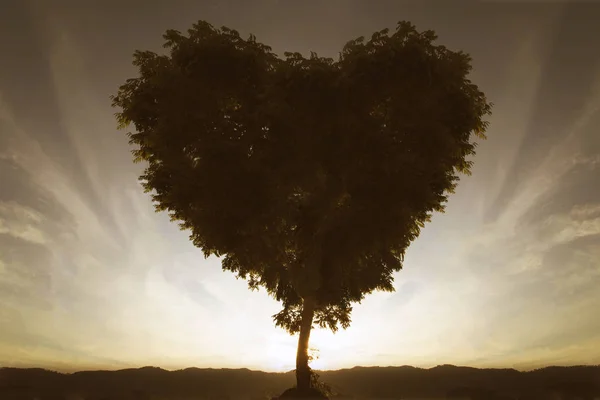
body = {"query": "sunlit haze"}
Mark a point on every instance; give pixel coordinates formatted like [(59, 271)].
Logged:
[(92, 277)]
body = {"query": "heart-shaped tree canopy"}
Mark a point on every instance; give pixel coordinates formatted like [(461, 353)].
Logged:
[(309, 176)]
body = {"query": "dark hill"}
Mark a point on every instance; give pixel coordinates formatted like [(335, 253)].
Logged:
[(405, 382)]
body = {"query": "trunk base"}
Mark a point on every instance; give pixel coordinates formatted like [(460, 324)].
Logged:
[(307, 394)]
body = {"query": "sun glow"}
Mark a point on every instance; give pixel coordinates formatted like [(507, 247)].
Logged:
[(317, 362), (281, 358), (325, 348)]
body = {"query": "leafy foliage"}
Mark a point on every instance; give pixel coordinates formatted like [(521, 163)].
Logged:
[(321, 386), (307, 175)]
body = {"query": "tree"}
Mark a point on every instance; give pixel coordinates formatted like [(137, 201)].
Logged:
[(310, 177)]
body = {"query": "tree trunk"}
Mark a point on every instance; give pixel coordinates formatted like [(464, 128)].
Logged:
[(302, 368)]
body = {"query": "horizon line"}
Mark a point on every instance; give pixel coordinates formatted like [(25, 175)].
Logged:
[(65, 372)]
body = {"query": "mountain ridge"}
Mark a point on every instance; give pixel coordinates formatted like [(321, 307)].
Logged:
[(389, 382), (356, 367)]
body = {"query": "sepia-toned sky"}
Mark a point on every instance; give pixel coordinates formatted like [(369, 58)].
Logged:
[(92, 277)]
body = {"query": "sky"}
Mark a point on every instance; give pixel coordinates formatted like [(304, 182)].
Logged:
[(91, 277)]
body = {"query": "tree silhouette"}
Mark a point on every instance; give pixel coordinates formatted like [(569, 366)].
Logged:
[(309, 176)]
